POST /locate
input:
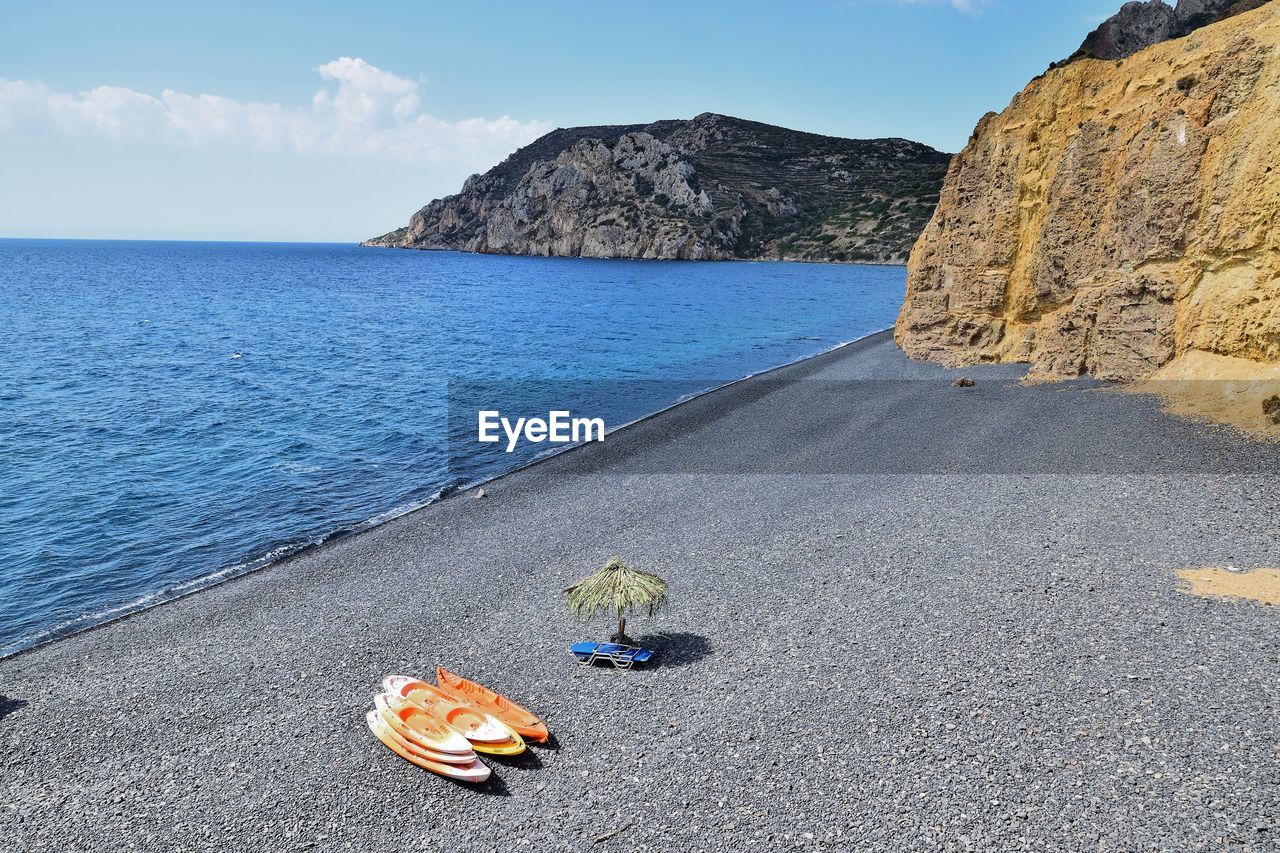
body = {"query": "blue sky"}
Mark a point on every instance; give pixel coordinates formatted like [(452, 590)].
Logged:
[(335, 121)]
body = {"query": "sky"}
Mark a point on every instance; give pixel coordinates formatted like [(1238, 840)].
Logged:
[(334, 121)]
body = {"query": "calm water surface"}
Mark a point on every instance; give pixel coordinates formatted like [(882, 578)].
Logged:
[(171, 413)]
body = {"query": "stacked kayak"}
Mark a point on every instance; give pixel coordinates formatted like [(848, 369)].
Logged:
[(441, 727)]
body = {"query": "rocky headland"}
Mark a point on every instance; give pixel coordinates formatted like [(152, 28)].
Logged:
[(1120, 218), (711, 188)]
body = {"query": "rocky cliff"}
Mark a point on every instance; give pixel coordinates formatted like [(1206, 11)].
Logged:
[(1139, 25), (1118, 218), (712, 188)]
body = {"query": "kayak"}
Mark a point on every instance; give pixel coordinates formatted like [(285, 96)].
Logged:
[(420, 727), (487, 733), (513, 745), (406, 738), (472, 723), (472, 772), (524, 721)]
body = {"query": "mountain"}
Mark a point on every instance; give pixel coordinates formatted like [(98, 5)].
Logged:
[(1140, 25), (1119, 218), (713, 188)]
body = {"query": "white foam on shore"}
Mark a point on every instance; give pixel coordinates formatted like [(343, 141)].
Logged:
[(97, 618)]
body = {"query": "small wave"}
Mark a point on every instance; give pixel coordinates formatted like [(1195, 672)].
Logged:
[(106, 615), (96, 618), (298, 467), (402, 509), (80, 623), (693, 395)]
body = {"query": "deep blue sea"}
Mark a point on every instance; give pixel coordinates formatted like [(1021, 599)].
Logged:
[(174, 413)]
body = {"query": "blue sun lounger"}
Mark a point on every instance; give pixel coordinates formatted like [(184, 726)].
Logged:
[(623, 657)]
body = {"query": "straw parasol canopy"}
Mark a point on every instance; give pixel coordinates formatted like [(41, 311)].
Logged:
[(616, 590)]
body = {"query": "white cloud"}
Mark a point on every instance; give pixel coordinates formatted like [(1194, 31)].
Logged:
[(365, 92), (363, 111)]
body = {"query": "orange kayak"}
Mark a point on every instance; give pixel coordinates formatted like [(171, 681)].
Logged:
[(487, 733), (419, 727), (471, 772), (524, 721), (405, 736)]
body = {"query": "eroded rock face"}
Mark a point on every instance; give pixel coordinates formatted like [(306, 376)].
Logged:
[(713, 187), (1116, 216)]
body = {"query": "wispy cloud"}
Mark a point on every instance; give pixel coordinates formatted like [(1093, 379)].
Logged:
[(361, 111), (970, 6)]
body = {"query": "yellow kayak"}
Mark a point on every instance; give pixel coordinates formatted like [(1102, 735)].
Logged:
[(514, 745)]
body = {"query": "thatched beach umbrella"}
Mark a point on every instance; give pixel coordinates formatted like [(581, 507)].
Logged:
[(617, 590)]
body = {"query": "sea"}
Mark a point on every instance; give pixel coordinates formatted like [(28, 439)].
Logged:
[(174, 414)]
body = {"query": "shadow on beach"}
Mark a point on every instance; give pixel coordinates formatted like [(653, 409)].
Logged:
[(527, 760), (679, 648), (493, 787), (8, 705), (551, 744)]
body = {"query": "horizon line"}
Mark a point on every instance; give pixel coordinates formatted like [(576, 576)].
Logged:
[(182, 240)]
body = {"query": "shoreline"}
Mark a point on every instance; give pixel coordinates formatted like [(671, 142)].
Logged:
[(266, 561), (365, 245), (830, 263)]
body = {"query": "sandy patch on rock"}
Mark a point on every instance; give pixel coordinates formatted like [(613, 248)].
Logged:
[(1218, 388)]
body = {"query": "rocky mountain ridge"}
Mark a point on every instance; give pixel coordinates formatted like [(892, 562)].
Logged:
[(711, 188)]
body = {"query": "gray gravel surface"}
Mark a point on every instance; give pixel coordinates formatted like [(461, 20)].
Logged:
[(905, 616)]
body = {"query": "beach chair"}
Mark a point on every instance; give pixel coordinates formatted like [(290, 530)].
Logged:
[(621, 656)]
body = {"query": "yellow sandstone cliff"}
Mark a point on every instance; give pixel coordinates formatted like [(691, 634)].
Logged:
[(1119, 218)]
